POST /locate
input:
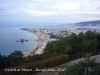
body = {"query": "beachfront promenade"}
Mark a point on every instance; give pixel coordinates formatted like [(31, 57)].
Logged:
[(42, 38)]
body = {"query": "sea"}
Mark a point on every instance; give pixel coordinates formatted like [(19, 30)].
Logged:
[(10, 33), (8, 37)]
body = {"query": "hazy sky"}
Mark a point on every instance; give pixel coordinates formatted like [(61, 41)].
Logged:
[(48, 11)]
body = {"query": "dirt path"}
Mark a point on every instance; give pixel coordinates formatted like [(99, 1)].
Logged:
[(64, 65)]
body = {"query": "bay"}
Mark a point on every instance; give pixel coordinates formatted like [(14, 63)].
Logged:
[(8, 37)]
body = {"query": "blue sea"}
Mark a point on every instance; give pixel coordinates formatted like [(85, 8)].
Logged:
[(8, 37)]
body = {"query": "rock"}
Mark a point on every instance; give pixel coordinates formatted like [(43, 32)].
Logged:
[(17, 41), (22, 40), (26, 40)]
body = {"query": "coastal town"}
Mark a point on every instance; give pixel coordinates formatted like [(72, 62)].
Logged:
[(48, 35)]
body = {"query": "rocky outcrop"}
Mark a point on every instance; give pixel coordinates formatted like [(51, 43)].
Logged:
[(21, 40)]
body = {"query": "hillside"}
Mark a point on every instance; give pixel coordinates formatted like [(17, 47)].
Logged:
[(56, 53), (93, 23)]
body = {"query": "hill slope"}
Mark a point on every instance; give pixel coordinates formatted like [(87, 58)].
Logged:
[(94, 23)]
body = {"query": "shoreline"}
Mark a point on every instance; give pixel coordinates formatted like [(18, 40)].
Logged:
[(32, 51)]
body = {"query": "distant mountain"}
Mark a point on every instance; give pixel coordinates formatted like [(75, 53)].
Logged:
[(93, 23)]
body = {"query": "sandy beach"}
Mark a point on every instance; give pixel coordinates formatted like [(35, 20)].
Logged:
[(30, 52)]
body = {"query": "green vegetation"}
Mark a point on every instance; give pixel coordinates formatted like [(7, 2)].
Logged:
[(70, 45), (73, 44), (15, 58), (54, 36), (87, 67), (46, 63)]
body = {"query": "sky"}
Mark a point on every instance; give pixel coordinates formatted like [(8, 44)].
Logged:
[(48, 11)]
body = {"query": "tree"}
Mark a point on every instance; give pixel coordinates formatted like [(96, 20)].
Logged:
[(16, 58), (16, 54), (5, 62), (34, 58), (1, 63), (98, 38), (54, 36), (74, 44)]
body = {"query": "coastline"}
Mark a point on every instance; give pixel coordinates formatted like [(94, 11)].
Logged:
[(32, 51)]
